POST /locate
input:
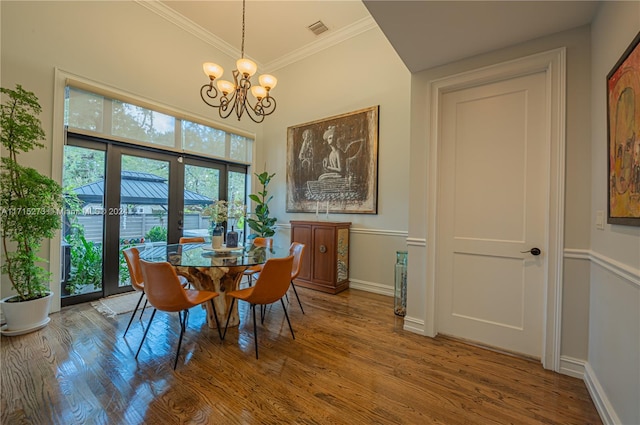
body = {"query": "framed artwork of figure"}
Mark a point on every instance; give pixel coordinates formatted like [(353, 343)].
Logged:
[(332, 164)]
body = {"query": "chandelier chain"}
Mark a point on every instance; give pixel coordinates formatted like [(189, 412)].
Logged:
[(242, 45)]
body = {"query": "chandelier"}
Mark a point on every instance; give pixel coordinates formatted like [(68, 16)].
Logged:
[(233, 96)]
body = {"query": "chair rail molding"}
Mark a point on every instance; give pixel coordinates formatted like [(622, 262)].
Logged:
[(624, 271), (422, 242), (361, 231)]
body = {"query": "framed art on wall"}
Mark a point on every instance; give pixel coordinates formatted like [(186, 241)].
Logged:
[(332, 164), (623, 134)]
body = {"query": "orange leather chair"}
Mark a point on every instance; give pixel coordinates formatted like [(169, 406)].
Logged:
[(165, 293), (271, 285), (253, 270), (297, 250), (132, 257), (186, 240), (194, 239)]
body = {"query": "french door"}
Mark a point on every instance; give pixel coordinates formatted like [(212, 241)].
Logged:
[(131, 196)]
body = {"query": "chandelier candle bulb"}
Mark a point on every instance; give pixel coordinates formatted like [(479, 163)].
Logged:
[(225, 86), (268, 81), (258, 92), (246, 67), (212, 70)]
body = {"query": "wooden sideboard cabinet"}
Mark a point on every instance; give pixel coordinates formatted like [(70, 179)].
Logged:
[(325, 262)]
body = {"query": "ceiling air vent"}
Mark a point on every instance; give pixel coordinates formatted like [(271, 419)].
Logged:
[(318, 28)]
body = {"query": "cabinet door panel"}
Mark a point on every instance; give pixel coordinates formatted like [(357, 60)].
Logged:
[(324, 255), (302, 234)]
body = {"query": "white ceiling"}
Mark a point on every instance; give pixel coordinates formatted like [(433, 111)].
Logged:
[(424, 33), (431, 33)]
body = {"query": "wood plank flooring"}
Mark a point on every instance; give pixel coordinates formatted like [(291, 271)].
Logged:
[(350, 363)]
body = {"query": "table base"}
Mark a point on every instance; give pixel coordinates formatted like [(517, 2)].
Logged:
[(220, 280)]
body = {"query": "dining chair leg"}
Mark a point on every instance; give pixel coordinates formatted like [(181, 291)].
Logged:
[(255, 329), (297, 297), (183, 325), (233, 300), (135, 310), (145, 331), (215, 315), (287, 316), (146, 300)]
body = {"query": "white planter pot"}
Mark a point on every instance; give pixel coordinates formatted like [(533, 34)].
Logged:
[(26, 316)]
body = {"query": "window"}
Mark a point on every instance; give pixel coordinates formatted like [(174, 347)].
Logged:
[(96, 114)]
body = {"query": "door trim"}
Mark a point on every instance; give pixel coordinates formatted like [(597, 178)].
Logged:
[(553, 64)]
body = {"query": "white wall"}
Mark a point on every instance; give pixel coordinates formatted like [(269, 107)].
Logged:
[(614, 314), (358, 73)]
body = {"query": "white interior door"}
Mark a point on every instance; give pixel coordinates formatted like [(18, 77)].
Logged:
[(492, 206)]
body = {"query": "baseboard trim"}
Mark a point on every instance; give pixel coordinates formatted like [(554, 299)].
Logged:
[(373, 287), (599, 397), (572, 367), (415, 325)]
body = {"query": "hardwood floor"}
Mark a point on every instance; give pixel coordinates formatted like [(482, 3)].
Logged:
[(350, 363)]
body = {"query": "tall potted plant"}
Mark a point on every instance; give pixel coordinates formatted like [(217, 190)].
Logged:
[(30, 204), (261, 222)]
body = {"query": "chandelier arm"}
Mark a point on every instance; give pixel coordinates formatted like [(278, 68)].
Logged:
[(205, 94), (227, 105), (255, 116), (265, 106)]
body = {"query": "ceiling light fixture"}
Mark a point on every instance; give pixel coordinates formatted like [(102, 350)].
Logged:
[(234, 96)]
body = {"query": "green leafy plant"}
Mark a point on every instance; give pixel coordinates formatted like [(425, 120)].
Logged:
[(86, 262), (217, 212), (30, 203), (222, 211), (156, 234), (260, 220)]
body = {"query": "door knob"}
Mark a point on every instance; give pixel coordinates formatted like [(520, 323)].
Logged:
[(533, 251)]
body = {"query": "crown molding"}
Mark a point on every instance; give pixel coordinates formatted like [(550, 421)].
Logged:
[(189, 26), (330, 39)]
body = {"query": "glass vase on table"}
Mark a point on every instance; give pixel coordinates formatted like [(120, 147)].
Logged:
[(232, 238), (217, 236)]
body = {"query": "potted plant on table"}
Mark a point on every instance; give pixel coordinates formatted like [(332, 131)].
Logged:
[(220, 212), (217, 213), (29, 205)]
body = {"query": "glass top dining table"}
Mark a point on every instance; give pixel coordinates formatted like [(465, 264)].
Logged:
[(218, 270), (202, 255)]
